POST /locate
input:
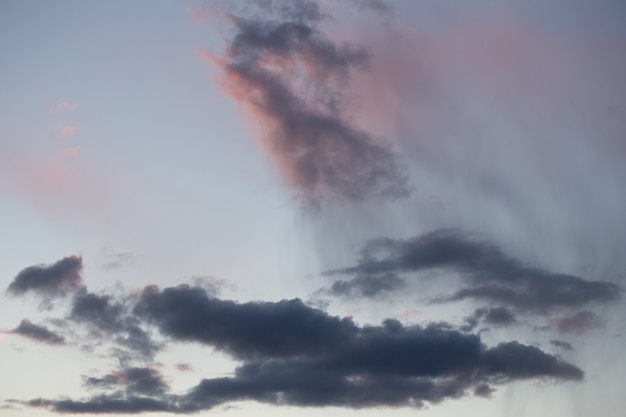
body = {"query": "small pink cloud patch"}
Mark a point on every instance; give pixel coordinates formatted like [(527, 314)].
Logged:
[(66, 131), (73, 151), (65, 105)]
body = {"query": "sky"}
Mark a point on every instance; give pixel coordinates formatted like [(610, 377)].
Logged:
[(274, 207)]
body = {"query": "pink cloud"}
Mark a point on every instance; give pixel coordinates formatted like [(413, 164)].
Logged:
[(202, 13), (184, 367), (67, 131), (579, 323), (65, 105), (293, 84), (73, 151), (59, 184)]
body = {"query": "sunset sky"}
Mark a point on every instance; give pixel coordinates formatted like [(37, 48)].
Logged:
[(273, 207)]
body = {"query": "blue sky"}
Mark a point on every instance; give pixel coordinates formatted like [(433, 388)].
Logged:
[(456, 170)]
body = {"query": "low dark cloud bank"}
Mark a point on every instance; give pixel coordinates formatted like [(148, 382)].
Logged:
[(489, 274), (293, 79), (294, 354)]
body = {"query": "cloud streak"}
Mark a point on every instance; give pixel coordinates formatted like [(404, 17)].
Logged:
[(490, 274)]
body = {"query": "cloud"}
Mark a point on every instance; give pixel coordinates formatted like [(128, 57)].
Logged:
[(111, 321), (112, 403), (561, 344), (377, 6), (57, 279), (255, 329), (184, 367), (116, 260), (134, 380), (292, 78), (579, 323), (71, 151), (498, 316), (293, 354), (303, 356), (67, 131), (38, 333), (65, 105), (492, 275), (365, 285), (495, 316)]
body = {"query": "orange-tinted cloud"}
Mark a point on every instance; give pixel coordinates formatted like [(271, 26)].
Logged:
[(62, 183), (292, 80), (200, 14)]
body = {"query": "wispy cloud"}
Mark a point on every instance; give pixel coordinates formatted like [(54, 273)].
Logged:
[(292, 78), (489, 274), (116, 260)]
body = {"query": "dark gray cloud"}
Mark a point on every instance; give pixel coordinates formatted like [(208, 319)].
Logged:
[(38, 333), (100, 311), (131, 390), (492, 316), (134, 380), (294, 354), (111, 320), (499, 316), (293, 77), (255, 329), (108, 403), (367, 285), (492, 275), (52, 280)]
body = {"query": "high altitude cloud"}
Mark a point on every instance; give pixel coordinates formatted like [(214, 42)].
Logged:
[(490, 274), (292, 77), (294, 354), (59, 278), (38, 333)]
